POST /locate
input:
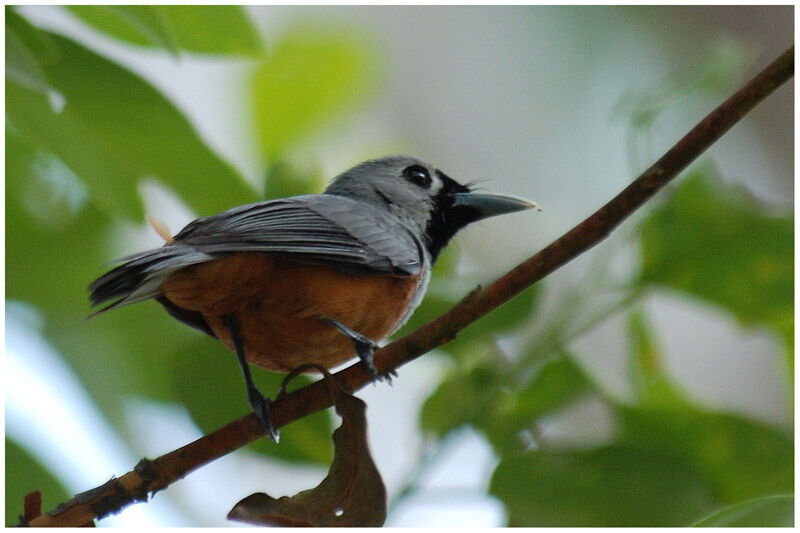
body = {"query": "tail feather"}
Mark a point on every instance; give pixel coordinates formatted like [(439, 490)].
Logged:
[(140, 276)]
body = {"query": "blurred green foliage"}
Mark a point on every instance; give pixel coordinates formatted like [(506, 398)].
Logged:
[(670, 462), (20, 465), (608, 486), (203, 367), (224, 30), (112, 128), (81, 133), (776, 510), (308, 78), (747, 253), (715, 74)]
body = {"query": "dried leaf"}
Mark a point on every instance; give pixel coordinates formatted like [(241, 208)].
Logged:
[(352, 494)]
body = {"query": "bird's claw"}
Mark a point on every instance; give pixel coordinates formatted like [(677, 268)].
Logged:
[(260, 405)]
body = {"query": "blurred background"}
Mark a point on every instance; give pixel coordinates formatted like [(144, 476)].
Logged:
[(649, 382)]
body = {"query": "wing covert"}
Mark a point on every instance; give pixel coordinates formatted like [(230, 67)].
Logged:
[(325, 229)]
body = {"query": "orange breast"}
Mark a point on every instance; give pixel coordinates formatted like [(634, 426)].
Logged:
[(281, 304)]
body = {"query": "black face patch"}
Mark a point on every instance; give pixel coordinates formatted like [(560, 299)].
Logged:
[(445, 219)]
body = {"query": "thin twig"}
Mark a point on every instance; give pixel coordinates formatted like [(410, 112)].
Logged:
[(151, 476)]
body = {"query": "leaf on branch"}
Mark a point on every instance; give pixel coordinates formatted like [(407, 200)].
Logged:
[(352, 494)]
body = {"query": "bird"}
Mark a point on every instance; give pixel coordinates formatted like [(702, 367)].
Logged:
[(310, 279)]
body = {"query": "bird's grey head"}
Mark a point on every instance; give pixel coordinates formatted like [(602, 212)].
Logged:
[(423, 198)]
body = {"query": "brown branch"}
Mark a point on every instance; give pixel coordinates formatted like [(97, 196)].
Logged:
[(151, 476)]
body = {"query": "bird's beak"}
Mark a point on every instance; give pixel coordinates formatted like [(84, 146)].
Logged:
[(489, 205)]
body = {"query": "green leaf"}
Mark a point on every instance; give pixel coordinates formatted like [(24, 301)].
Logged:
[(610, 486), (306, 82), (481, 392), (462, 398), (739, 458), (556, 383), (122, 353), (433, 306), (512, 425), (722, 67), (144, 25), (211, 386), (22, 63), (715, 242), (200, 28), (769, 511), (506, 318), (25, 474), (57, 247), (479, 337), (114, 129), (288, 177), (44, 206), (489, 399), (653, 386)]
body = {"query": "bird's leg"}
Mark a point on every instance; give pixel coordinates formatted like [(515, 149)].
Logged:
[(365, 348), (258, 402)]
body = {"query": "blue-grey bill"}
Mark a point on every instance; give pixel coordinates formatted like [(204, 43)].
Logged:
[(490, 205)]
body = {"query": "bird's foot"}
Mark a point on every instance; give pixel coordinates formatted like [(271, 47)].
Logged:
[(365, 348)]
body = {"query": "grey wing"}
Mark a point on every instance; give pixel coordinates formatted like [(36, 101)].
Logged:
[(320, 229)]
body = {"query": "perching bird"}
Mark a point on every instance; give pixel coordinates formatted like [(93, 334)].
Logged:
[(309, 279)]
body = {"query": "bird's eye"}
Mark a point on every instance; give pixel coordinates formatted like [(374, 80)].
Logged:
[(418, 176)]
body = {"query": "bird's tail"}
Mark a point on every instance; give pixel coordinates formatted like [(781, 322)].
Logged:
[(140, 276)]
